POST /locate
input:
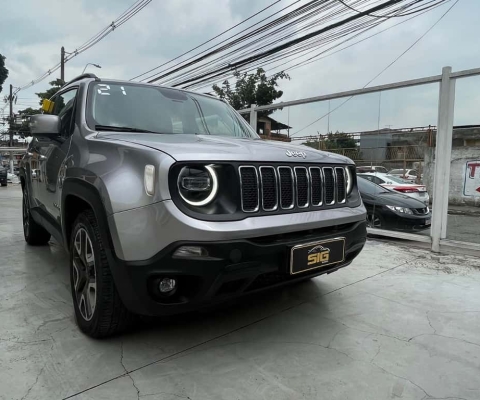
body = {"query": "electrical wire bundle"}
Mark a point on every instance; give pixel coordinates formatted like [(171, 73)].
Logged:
[(119, 21), (283, 37)]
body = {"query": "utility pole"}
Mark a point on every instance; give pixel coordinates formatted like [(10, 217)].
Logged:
[(10, 98), (62, 64)]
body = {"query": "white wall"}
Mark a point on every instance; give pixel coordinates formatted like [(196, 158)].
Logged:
[(463, 182)]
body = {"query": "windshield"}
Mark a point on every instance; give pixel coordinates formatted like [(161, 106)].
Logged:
[(398, 171), (367, 187), (140, 108)]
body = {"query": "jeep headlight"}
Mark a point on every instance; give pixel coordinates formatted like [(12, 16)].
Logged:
[(197, 185)]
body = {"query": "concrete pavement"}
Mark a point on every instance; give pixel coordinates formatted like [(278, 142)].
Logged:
[(396, 324)]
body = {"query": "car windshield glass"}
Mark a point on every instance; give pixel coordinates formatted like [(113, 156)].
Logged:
[(161, 110), (397, 171), (371, 188)]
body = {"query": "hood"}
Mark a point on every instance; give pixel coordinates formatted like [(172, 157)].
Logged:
[(187, 147), (398, 200)]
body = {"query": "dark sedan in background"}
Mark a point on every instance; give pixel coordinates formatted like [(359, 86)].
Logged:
[(387, 209), (3, 176)]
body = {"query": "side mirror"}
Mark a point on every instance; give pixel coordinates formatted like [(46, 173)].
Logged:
[(45, 125)]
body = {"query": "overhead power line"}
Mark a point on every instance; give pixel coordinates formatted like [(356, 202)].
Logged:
[(279, 39), (383, 70), (209, 40), (278, 49), (119, 21)]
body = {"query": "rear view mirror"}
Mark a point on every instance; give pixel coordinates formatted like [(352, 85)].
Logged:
[(45, 125)]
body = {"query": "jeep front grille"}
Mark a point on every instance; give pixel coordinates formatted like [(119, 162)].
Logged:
[(270, 188)]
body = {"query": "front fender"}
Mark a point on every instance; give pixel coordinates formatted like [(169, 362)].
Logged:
[(116, 170)]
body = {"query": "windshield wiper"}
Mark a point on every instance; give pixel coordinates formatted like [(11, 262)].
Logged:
[(122, 129)]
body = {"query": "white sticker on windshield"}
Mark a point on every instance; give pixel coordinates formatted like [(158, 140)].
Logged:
[(123, 90), (103, 89)]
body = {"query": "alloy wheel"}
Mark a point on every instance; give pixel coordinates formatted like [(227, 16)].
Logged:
[(84, 274), (373, 221)]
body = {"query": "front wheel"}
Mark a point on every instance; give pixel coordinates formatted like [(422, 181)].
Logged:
[(99, 310), (374, 221)]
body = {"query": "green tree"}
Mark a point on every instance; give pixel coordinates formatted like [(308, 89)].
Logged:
[(55, 87), (3, 72), (337, 140), (255, 88)]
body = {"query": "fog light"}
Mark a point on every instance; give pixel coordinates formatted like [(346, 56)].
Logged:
[(166, 285), (190, 251)]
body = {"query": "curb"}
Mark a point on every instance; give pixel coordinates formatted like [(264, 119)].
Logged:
[(466, 213)]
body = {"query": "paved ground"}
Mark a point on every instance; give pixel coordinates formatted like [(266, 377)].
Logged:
[(394, 325)]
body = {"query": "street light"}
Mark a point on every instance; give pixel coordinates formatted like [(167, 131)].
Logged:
[(95, 65)]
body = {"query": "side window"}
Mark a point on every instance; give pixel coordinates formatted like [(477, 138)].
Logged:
[(64, 107), (377, 180), (413, 172)]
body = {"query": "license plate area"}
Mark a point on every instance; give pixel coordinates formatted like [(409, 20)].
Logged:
[(309, 256)]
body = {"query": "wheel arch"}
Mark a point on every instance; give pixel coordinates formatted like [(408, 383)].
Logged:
[(77, 196)]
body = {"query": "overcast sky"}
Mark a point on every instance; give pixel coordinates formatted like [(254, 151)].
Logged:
[(32, 32)]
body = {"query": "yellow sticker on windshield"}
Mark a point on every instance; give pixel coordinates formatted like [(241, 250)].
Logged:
[(47, 105)]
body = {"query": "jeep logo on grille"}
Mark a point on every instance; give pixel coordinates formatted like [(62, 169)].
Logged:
[(296, 154)]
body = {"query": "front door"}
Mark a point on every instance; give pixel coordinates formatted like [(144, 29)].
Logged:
[(52, 154)]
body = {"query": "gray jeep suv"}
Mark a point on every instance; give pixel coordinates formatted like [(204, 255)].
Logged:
[(167, 201)]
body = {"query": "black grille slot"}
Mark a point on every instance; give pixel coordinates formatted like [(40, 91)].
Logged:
[(329, 185), (316, 186), (341, 188), (286, 187), (249, 185), (269, 188), (302, 186)]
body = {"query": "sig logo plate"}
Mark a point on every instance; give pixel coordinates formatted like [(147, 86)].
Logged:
[(310, 256)]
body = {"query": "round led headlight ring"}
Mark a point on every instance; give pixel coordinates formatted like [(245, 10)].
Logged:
[(349, 173), (198, 196)]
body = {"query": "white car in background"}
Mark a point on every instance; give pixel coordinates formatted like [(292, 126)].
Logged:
[(409, 175), (12, 178), (397, 184)]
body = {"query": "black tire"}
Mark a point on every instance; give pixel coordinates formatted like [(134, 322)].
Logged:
[(4, 184), (34, 234), (109, 316)]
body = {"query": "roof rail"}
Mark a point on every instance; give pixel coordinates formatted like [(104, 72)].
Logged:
[(83, 76)]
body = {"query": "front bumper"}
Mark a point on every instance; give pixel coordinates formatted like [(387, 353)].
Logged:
[(232, 269), (406, 222), (141, 233)]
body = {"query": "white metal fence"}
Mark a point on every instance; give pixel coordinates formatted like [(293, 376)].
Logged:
[(443, 150)]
